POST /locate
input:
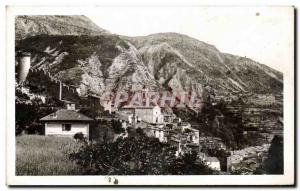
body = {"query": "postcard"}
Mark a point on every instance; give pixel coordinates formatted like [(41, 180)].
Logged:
[(150, 96)]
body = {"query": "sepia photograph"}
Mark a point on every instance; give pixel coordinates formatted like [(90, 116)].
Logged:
[(150, 96)]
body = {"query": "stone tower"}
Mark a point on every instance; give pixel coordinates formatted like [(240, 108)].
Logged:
[(23, 66)]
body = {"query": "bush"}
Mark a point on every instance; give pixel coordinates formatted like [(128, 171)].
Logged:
[(117, 127), (79, 136)]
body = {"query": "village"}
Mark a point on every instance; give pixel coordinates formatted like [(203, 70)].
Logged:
[(166, 127), (152, 119)]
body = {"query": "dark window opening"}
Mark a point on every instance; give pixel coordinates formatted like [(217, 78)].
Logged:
[(66, 127)]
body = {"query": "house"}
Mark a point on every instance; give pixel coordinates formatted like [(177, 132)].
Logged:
[(177, 120), (107, 105), (193, 147), (233, 161), (184, 125), (66, 122), (157, 132), (69, 104), (149, 114), (127, 116), (168, 117), (213, 163), (174, 141), (193, 136), (201, 156)]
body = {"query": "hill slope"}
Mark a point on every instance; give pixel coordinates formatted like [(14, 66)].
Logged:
[(205, 64), (105, 61)]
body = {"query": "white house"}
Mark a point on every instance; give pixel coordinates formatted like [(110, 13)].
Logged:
[(150, 114), (213, 163), (184, 126), (66, 122)]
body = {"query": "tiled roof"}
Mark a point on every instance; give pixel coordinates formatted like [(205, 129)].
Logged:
[(137, 107), (66, 115)]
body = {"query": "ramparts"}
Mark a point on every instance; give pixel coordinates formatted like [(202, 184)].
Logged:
[(50, 85)]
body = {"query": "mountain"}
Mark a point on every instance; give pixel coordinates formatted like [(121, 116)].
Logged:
[(26, 26), (75, 50), (203, 63)]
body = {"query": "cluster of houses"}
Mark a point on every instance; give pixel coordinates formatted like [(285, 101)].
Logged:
[(249, 153), (164, 126), (150, 119)]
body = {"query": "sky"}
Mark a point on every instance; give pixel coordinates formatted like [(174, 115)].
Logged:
[(264, 34)]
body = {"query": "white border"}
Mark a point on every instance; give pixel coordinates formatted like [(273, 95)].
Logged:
[(286, 179)]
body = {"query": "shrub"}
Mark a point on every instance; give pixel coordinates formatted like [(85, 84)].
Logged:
[(117, 127), (79, 136)]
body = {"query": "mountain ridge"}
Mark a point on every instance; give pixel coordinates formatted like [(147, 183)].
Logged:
[(108, 61)]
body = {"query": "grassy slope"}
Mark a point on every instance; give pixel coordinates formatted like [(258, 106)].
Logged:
[(40, 155)]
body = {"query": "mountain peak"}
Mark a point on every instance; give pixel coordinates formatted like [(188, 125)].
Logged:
[(33, 25)]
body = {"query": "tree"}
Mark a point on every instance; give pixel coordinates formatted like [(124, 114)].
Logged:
[(28, 116), (189, 164), (117, 126), (135, 155), (274, 163)]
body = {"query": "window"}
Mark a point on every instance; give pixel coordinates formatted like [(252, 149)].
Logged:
[(66, 127)]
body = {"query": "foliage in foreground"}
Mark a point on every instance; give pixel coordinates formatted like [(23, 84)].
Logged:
[(274, 162), (136, 155)]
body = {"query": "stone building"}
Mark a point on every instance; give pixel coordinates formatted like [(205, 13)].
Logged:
[(149, 114)]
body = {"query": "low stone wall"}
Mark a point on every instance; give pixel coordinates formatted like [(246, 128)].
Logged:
[(51, 86)]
